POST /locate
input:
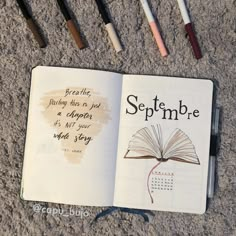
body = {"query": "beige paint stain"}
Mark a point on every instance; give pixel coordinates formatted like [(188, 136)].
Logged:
[(76, 119)]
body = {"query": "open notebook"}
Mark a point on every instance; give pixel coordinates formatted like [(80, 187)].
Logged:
[(98, 138)]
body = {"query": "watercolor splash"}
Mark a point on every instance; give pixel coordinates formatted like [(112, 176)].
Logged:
[(77, 118)]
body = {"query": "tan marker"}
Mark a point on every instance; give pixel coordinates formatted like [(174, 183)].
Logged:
[(110, 28), (114, 38)]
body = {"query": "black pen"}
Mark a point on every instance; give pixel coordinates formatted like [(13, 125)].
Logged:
[(213, 153)]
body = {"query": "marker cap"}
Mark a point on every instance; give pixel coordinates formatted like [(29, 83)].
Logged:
[(193, 41), (38, 37), (75, 34), (114, 38)]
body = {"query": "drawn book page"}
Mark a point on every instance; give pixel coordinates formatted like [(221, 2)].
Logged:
[(164, 140), (72, 130)]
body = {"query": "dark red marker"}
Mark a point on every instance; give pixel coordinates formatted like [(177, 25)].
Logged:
[(189, 29)]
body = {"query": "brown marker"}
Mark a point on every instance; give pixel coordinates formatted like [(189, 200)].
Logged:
[(71, 26), (33, 27)]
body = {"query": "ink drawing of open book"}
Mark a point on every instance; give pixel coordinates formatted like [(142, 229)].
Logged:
[(148, 144)]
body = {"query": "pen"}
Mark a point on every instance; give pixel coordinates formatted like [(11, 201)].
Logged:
[(70, 24), (154, 28), (213, 153), (189, 29), (32, 26), (109, 26)]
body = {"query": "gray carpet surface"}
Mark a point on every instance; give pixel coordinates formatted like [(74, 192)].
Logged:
[(215, 24)]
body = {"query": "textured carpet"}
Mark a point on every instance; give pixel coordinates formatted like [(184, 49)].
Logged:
[(215, 24)]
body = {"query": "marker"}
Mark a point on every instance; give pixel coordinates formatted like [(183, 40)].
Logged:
[(70, 24), (109, 26), (32, 26), (189, 29), (213, 153), (154, 28)]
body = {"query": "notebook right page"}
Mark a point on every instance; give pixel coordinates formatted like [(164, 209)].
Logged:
[(164, 141)]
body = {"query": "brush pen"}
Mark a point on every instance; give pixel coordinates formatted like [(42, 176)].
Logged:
[(189, 29), (32, 26), (154, 28), (70, 24), (109, 26)]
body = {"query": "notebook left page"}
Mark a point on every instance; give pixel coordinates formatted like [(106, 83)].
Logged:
[(71, 139)]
